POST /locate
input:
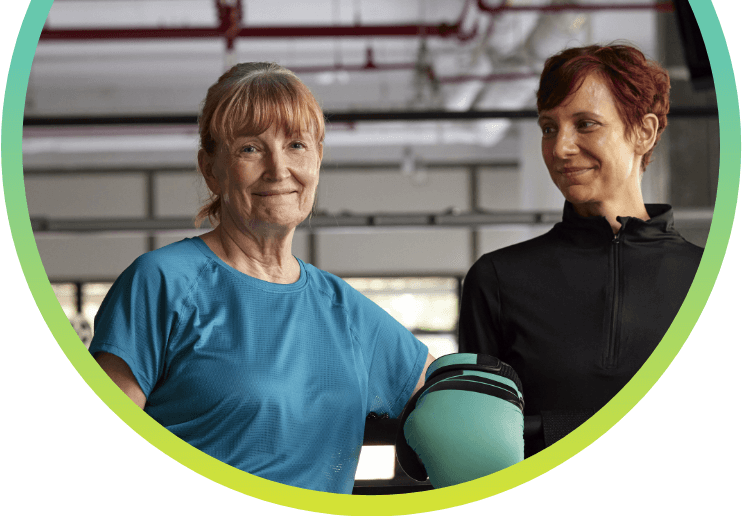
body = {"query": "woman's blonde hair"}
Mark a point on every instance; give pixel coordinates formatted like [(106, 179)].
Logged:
[(248, 100)]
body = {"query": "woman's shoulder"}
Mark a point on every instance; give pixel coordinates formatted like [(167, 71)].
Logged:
[(179, 260), (519, 251), (187, 248), (333, 287), (324, 280), (167, 274), (338, 296)]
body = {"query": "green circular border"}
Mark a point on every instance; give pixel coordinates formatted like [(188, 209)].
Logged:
[(20, 225)]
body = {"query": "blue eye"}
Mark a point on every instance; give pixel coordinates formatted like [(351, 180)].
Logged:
[(248, 149), (547, 130), (298, 145)]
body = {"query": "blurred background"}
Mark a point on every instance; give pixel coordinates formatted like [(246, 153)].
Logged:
[(432, 155)]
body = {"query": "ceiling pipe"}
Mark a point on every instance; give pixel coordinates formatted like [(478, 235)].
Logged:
[(230, 15), (230, 20), (230, 12), (493, 77), (666, 6), (369, 66), (501, 106), (332, 117), (337, 31), (515, 25)]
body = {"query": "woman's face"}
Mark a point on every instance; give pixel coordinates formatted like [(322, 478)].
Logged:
[(585, 146), (267, 182)]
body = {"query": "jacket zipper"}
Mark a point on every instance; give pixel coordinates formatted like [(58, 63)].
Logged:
[(612, 351)]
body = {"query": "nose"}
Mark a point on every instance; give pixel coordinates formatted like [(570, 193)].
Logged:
[(276, 165), (565, 144)]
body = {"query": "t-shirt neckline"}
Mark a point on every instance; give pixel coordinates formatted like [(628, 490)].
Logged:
[(252, 281)]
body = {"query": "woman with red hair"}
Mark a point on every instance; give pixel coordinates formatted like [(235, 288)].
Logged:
[(578, 310), (231, 342)]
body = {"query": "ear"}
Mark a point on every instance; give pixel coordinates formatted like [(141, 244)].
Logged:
[(647, 133), (206, 167)]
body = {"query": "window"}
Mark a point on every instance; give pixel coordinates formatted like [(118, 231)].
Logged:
[(80, 302), (427, 306)]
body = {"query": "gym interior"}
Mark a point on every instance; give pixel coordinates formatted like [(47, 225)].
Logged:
[(432, 154)]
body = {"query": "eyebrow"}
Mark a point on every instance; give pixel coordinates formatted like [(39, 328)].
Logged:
[(245, 136)]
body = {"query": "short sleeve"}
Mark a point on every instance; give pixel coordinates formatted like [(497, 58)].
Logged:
[(135, 320), (479, 319), (394, 358)]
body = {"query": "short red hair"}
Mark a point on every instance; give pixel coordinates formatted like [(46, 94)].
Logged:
[(639, 86)]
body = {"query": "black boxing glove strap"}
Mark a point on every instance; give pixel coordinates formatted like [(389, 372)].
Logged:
[(490, 388), (448, 372), (506, 370), (502, 369)]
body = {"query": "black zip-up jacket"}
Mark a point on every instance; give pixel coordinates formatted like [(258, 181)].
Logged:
[(578, 310)]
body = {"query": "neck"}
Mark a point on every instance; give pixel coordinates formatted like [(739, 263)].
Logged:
[(262, 255)]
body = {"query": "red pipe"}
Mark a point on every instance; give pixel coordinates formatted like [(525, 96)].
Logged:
[(231, 30), (495, 77), (666, 6), (370, 64), (336, 31), (230, 17), (390, 67)]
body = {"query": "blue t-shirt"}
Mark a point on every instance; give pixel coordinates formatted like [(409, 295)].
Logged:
[(273, 379)]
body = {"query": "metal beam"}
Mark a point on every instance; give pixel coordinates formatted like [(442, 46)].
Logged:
[(700, 216), (328, 166), (332, 117)]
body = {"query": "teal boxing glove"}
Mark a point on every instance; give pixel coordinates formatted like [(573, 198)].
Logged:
[(464, 423)]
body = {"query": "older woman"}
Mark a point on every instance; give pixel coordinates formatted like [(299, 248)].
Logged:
[(232, 343), (578, 310)]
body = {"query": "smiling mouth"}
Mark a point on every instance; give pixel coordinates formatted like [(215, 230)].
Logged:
[(273, 194), (575, 171)]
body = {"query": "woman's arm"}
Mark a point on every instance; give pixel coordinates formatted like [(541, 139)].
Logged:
[(122, 376), (421, 380)]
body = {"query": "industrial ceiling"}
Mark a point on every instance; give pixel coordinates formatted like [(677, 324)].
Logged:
[(105, 61)]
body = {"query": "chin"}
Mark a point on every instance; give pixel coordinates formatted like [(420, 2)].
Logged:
[(578, 194)]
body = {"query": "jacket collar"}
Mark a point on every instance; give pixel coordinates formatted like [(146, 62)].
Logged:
[(661, 222)]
